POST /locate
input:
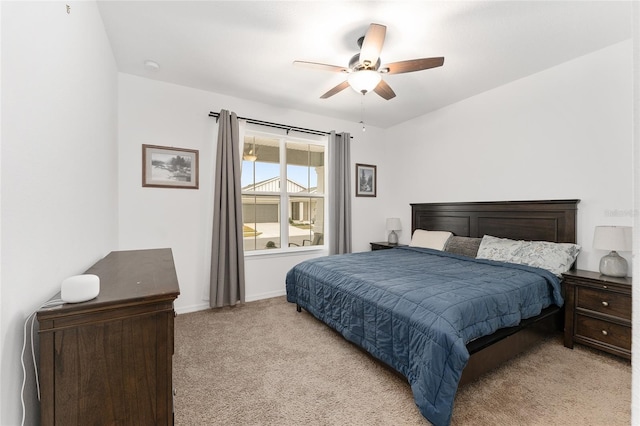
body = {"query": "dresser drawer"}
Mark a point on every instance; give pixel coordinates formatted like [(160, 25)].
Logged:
[(605, 302), (603, 331)]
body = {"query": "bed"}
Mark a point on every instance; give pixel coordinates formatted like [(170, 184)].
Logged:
[(441, 318)]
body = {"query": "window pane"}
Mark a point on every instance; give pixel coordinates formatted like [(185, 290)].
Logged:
[(275, 195), (305, 168), (261, 220), (260, 164), (306, 221)]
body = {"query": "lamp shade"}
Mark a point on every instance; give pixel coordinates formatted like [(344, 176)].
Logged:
[(393, 224), (364, 81), (615, 238)]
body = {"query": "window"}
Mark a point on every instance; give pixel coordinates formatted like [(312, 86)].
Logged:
[(283, 197)]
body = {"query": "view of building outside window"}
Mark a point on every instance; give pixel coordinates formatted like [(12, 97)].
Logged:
[(282, 193)]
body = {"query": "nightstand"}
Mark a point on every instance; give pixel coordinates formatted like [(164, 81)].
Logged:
[(598, 312), (383, 245)]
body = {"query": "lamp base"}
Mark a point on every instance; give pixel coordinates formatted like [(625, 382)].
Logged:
[(613, 265), (393, 238)]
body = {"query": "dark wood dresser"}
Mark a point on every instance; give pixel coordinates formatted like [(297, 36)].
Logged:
[(108, 361), (598, 312)]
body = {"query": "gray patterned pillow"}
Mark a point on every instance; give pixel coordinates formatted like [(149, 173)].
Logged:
[(466, 246), (554, 257)]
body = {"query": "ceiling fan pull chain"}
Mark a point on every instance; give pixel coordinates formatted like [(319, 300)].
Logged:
[(362, 113)]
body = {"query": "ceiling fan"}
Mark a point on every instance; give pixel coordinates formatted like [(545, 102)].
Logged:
[(364, 69)]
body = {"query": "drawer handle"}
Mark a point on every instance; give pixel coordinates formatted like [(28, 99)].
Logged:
[(605, 332), (605, 303)]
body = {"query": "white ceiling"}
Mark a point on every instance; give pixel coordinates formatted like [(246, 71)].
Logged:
[(246, 48)]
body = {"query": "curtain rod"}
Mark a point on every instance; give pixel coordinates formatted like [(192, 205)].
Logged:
[(276, 125)]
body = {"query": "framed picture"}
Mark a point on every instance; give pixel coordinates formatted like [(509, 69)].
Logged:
[(366, 183), (169, 167)]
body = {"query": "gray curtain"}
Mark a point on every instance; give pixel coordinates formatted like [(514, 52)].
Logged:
[(227, 255), (340, 193)]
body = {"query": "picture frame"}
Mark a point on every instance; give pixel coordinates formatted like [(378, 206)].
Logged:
[(366, 180), (169, 167)]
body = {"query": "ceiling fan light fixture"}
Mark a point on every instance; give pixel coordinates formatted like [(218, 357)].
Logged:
[(364, 81), (364, 72), (252, 154)]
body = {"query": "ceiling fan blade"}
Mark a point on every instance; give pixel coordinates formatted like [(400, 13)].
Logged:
[(384, 90), (319, 66), (372, 45), (340, 87), (413, 65)]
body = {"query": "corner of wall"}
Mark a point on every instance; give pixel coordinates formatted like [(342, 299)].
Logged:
[(635, 350)]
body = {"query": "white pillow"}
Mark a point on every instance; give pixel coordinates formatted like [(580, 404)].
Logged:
[(554, 257), (429, 239)]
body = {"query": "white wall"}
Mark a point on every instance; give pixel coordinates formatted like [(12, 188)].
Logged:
[(635, 341), (562, 133), (154, 112), (1, 322), (59, 166)]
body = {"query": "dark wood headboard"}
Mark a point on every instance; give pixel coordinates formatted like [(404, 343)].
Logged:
[(549, 220)]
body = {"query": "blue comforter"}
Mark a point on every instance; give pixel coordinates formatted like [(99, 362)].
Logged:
[(416, 309)]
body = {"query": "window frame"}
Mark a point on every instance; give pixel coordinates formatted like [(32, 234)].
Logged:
[(284, 196)]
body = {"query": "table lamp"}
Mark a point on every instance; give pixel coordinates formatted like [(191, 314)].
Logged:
[(393, 225), (614, 238)]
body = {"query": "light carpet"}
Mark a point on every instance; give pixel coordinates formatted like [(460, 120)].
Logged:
[(263, 363)]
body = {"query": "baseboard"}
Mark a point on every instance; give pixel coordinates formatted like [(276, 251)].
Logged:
[(193, 308), (255, 297), (267, 295)]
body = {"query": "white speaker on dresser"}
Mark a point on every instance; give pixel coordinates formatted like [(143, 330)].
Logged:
[(80, 288)]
